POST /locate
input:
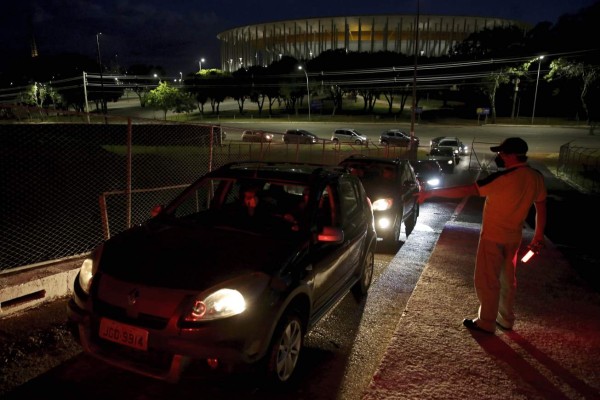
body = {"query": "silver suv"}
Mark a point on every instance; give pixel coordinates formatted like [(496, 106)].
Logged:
[(348, 136)]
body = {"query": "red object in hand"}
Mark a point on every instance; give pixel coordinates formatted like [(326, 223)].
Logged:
[(533, 249), (528, 256)]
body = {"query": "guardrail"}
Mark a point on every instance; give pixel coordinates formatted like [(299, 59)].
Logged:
[(580, 166)]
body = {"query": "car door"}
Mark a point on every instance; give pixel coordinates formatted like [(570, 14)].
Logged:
[(410, 187), (335, 263)]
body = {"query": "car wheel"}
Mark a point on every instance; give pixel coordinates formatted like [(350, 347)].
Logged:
[(358, 142), (360, 288), (411, 222), (285, 349)]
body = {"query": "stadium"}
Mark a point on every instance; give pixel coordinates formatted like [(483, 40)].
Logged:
[(303, 39)]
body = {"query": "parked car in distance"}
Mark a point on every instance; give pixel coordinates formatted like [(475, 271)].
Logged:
[(454, 142), (396, 137), (391, 185), (445, 156), (300, 136), (348, 136), (256, 136), (230, 275), (429, 173)]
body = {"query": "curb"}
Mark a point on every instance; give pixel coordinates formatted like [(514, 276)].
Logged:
[(28, 288)]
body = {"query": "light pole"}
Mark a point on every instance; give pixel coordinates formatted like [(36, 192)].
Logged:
[(540, 58), (307, 88), (200, 63), (101, 77), (414, 84)]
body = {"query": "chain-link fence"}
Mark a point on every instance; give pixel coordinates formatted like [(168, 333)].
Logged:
[(66, 184), (581, 166)]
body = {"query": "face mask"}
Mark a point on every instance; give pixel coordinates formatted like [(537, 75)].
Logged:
[(499, 161)]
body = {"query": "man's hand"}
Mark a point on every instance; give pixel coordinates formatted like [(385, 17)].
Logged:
[(536, 245)]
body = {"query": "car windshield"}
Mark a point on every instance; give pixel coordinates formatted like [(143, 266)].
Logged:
[(259, 206), (372, 171), (449, 143), (441, 152), (426, 167)]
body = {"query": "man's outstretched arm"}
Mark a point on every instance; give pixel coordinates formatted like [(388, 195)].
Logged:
[(449, 192)]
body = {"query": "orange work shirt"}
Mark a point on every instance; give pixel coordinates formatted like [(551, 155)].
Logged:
[(509, 196)]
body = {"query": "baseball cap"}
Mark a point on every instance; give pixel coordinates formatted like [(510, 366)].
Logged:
[(513, 145)]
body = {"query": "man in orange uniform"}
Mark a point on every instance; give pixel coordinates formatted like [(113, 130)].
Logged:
[(509, 194)]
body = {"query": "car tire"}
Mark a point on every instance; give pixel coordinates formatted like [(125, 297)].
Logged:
[(360, 288), (411, 222), (286, 345)]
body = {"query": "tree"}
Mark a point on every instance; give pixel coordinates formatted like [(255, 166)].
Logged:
[(492, 42), (165, 98), (586, 74), (140, 79)]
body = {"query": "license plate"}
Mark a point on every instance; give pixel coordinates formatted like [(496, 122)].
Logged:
[(124, 334)]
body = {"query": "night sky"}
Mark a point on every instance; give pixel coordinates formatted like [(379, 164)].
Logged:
[(176, 34)]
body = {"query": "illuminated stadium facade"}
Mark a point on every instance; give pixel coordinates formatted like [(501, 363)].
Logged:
[(303, 39)]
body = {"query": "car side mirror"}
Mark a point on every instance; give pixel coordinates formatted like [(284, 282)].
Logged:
[(331, 234)]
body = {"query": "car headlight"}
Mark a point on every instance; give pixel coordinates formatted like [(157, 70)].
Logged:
[(384, 223), (450, 162), (433, 182), (220, 304), (382, 204), (88, 269)]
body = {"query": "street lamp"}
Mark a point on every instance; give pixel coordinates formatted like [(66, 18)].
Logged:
[(307, 88), (200, 63), (101, 77), (540, 58)]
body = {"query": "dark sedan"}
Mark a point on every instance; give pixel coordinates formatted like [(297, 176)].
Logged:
[(256, 136), (429, 173), (391, 185), (445, 156), (396, 137), (299, 136), (206, 286)]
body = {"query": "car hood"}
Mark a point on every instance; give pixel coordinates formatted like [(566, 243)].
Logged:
[(193, 258)]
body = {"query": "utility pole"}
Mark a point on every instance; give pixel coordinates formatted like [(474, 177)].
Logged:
[(512, 115), (414, 88), (102, 102)]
